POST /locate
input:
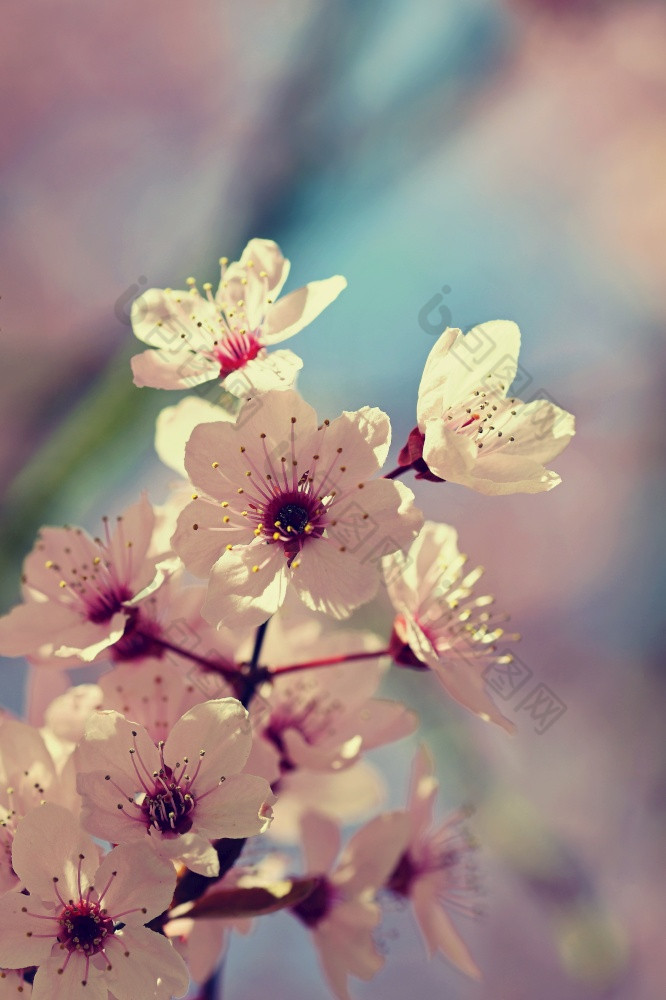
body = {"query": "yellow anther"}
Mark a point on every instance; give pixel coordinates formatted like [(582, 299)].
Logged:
[(224, 503), (49, 564), (191, 281), (195, 496), (229, 548), (255, 569), (207, 286), (226, 519), (215, 465), (296, 563)]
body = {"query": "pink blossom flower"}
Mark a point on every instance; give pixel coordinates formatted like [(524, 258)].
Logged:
[(83, 596), (441, 624), (323, 719), (341, 911), (284, 501), (469, 432), (28, 777), (176, 796), (14, 985), (433, 870), (68, 923), (213, 337)]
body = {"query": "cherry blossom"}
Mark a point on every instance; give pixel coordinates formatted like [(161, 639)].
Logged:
[(282, 500), (82, 922), (441, 624), (433, 871), (203, 337), (176, 796), (83, 596), (469, 431), (323, 719), (341, 912), (28, 777)]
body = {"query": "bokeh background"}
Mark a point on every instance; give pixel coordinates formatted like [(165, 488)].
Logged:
[(507, 158)]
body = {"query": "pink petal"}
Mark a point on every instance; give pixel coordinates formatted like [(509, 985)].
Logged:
[(47, 845), (17, 950), (320, 838), (439, 931), (141, 959), (372, 853), (222, 729), (143, 882), (332, 581), (51, 984), (241, 596), (234, 809)]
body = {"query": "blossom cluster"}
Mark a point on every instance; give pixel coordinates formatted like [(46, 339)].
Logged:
[(230, 703)]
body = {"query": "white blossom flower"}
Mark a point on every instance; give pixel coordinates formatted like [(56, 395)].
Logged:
[(469, 432), (82, 922), (441, 623), (282, 500), (201, 338), (176, 796)]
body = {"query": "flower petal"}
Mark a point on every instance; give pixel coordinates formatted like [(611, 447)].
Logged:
[(235, 808), (220, 728), (19, 946), (438, 929), (291, 313), (172, 369), (56, 980), (47, 845), (141, 881), (146, 965), (240, 596)]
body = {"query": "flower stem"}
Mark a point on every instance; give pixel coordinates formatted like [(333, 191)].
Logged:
[(229, 673), (398, 471), (327, 661)]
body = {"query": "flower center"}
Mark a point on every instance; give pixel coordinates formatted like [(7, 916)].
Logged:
[(169, 808), (402, 875), (317, 905), (235, 351), (84, 927), (293, 517)]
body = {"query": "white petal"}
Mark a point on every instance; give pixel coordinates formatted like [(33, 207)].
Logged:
[(460, 363), (172, 369), (176, 423), (293, 312)]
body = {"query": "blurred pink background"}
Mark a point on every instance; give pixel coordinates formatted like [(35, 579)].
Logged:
[(514, 153)]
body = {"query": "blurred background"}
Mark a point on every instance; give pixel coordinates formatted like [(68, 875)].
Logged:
[(457, 161)]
